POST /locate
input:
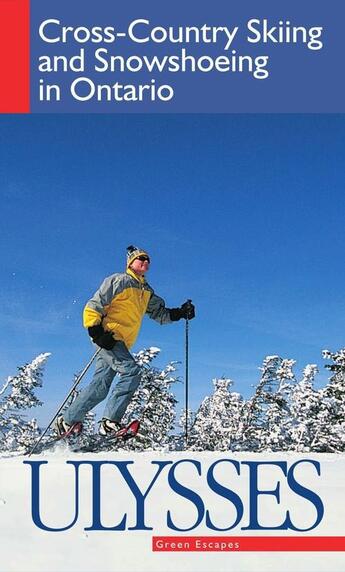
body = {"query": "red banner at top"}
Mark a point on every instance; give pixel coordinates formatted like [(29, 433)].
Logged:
[(14, 56)]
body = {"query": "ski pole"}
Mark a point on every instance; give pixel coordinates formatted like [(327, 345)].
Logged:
[(75, 384), (187, 376)]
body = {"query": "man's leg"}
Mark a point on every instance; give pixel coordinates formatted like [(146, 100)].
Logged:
[(94, 393), (130, 376)]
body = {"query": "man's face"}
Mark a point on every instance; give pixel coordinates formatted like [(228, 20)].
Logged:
[(140, 265)]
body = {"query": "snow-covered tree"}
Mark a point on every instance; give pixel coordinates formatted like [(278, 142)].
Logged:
[(89, 429), (217, 422), (277, 425), (306, 411), (282, 414), (254, 411), (16, 395), (181, 440), (330, 434), (153, 404)]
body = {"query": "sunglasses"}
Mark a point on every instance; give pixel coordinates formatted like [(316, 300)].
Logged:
[(143, 258)]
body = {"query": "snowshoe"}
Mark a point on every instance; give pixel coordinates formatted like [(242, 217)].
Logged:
[(100, 442), (114, 430), (109, 428), (130, 430), (64, 430)]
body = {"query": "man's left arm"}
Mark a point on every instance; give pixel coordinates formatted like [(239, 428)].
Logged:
[(157, 311)]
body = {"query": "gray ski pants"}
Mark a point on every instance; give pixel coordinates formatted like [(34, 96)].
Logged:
[(108, 364)]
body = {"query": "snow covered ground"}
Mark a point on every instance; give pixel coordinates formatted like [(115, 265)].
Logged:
[(27, 548)]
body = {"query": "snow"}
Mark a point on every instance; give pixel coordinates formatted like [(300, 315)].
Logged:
[(286, 420), (26, 548)]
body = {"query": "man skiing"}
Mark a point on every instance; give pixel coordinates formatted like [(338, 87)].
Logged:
[(113, 317)]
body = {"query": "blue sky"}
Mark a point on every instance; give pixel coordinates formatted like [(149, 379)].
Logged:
[(242, 213)]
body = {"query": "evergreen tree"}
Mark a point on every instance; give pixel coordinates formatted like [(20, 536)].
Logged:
[(181, 440), (277, 425), (281, 415), (217, 422), (330, 434), (153, 404), (89, 428), (254, 410), (17, 394), (306, 410)]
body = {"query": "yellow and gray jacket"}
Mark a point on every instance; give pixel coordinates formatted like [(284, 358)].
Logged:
[(120, 304)]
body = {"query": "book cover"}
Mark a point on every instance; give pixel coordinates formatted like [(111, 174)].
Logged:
[(181, 163)]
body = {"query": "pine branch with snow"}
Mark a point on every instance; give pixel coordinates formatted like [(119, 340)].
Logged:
[(181, 440), (217, 423), (154, 404), (16, 395), (306, 410), (282, 415), (330, 436), (254, 410)]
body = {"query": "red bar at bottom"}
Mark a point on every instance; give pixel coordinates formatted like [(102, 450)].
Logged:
[(248, 543)]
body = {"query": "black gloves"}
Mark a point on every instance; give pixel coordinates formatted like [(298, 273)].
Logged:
[(186, 311), (103, 339)]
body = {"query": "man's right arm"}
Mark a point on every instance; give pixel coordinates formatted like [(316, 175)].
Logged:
[(95, 310)]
